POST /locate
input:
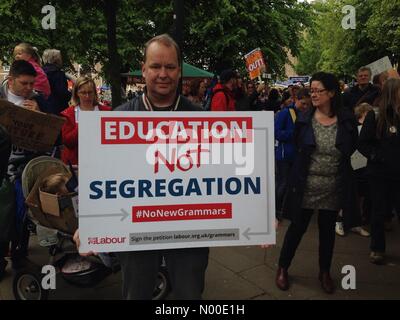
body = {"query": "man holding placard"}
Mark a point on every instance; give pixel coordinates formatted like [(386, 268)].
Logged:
[(161, 70)]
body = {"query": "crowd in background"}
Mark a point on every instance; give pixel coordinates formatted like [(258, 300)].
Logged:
[(316, 131)]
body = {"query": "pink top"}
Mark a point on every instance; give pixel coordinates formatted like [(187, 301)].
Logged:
[(41, 81)]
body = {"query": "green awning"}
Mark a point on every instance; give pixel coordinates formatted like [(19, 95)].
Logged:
[(189, 71)]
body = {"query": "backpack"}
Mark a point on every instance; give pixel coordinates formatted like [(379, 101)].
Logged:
[(207, 105)]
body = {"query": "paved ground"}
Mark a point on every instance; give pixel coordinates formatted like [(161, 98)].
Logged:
[(242, 273)]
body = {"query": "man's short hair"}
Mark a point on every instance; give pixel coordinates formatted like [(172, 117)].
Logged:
[(22, 68), (166, 40), (303, 93), (227, 75), (365, 69)]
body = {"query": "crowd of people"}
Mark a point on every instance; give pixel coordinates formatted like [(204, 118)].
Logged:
[(318, 129)]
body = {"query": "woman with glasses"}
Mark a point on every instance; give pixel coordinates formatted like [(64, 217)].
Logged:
[(84, 98), (325, 138)]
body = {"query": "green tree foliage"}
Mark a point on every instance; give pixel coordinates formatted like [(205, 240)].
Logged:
[(217, 33), (328, 47)]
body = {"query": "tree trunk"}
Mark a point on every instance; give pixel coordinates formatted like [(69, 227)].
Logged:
[(178, 32), (114, 64)]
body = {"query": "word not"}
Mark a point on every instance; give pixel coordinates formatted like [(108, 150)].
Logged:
[(184, 157), (112, 189), (49, 280), (349, 20), (130, 130), (179, 161), (349, 281), (49, 20)]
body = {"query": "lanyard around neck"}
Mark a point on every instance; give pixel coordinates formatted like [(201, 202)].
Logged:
[(149, 107)]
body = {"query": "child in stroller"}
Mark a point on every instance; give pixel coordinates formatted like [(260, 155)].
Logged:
[(49, 176)]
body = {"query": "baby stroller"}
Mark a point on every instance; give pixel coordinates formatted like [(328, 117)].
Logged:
[(56, 236)]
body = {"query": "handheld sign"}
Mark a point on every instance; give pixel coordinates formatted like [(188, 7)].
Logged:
[(255, 63), (380, 66), (158, 180), (30, 130)]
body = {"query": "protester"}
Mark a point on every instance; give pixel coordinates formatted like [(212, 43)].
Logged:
[(84, 96), (60, 95), (352, 96), (18, 89), (285, 149), (325, 138), (5, 151), (223, 93), (286, 99), (360, 171), (380, 143), (303, 100), (242, 101), (274, 101), (351, 220), (24, 51), (187, 266), (197, 92)]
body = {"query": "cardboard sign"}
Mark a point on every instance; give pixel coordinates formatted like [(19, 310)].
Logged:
[(380, 66), (160, 180), (30, 130), (65, 221), (255, 63)]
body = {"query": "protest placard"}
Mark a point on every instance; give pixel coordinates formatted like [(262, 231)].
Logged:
[(171, 180), (255, 63), (30, 130), (380, 66)]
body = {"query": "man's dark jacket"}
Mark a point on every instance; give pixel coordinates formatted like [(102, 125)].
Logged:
[(136, 104), (60, 95), (353, 96)]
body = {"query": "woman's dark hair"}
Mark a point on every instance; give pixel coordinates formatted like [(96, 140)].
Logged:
[(330, 83), (389, 106), (273, 95), (286, 96)]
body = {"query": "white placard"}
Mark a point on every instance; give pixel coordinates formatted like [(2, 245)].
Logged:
[(380, 66), (196, 179)]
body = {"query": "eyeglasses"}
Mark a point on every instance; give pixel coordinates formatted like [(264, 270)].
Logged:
[(317, 91), (85, 93)]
